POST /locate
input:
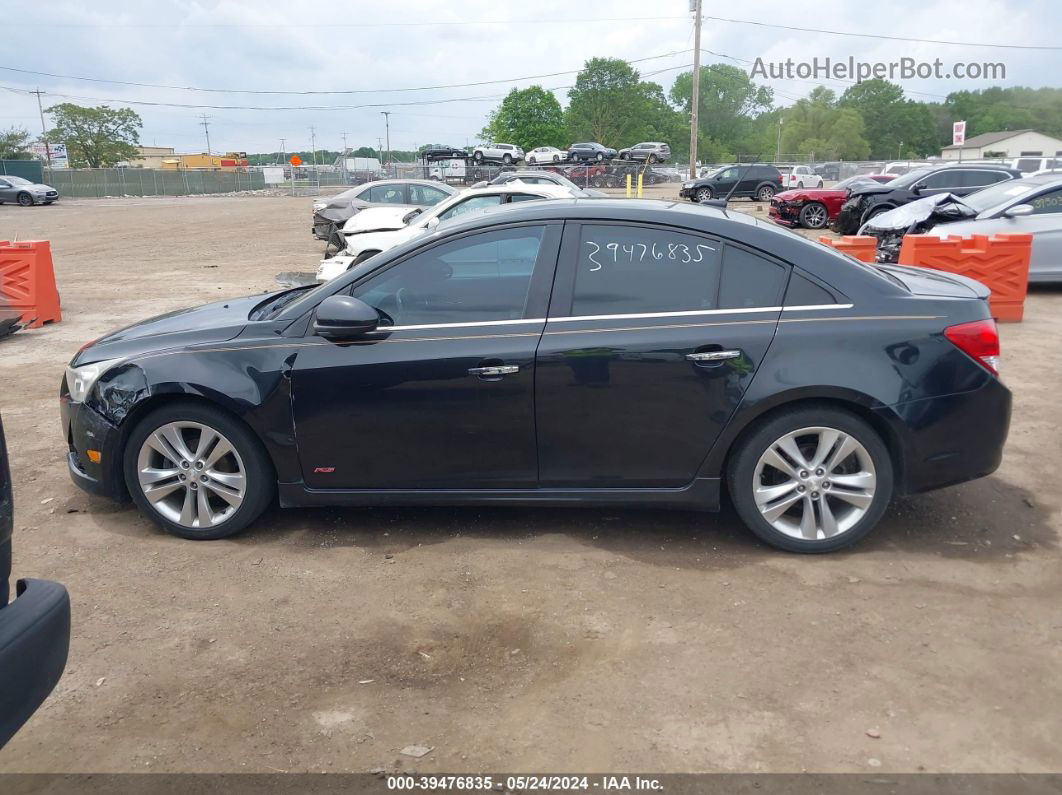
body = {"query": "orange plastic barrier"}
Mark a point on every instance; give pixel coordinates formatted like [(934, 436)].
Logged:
[(862, 247), (27, 282), (1000, 262)]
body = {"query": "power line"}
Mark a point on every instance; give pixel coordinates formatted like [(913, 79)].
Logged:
[(318, 92), (876, 35)]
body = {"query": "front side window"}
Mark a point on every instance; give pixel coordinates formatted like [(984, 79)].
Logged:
[(386, 194), (470, 205), (942, 179), (479, 278)]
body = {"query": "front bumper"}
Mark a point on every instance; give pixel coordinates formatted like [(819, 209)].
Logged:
[(847, 220), (34, 643), (784, 214), (84, 430)]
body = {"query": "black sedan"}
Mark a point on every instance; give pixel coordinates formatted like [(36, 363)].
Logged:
[(960, 179), (590, 150), (575, 351)]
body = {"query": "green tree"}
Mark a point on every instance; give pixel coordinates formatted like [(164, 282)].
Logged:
[(728, 103), (890, 120), (14, 144), (364, 151), (816, 127), (529, 118), (608, 103), (95, 137)]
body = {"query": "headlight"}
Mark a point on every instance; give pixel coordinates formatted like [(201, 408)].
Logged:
[(79, 380), (319, 206), (687, 184)]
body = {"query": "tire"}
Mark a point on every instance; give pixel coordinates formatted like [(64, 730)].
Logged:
[(853, 516), (703, 194), (477, 156), (600, 156), (507, 158), (362, 257), (556, 158), (247, 456), (573, 157), (652, 158), (800, 185), (764, 193), (25, 200), (814, 215), (531, 161)]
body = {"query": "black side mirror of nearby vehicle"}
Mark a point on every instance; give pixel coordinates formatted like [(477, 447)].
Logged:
[(916, 189), (343, 316)]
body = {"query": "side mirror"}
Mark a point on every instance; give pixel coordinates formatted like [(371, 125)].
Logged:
[(916, 189), (432, 222), (411, 215), (343, 317), (1019, 210)]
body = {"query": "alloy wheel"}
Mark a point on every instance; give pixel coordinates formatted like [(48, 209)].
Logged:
[(814, 216), (766, 194), (704, 194), (814, 483), (191, 474)]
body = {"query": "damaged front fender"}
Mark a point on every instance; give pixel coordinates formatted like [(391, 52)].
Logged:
[(117, 391)]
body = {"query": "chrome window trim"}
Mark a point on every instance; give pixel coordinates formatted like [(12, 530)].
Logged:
[(636, 316)]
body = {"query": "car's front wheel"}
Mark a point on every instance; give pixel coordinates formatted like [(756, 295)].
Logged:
[(556, 158), (197, 472), (813, 479), (25, 200), (478, 157), (600, 156), (703, 194), (507, 158), (813, 215)]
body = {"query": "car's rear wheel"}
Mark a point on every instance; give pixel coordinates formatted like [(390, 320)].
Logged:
[(812, 479), (197, 472), (25, 200), (765, 193), (703, 194), (814, 215), (478, 157)]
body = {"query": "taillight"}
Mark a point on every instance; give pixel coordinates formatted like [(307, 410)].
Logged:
[(978, 339)]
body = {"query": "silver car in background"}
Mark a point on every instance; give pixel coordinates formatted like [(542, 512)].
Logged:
[(18, 190), (1032, 205)]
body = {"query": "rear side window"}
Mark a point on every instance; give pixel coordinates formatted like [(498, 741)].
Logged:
[(638, 270), (632, 269), (977, 179), (386, 194), (804, 292), (749, 280)]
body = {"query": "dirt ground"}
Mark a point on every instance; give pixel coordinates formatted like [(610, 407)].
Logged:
[(507, 639)]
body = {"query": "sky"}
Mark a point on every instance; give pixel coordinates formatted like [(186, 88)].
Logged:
[(379, 48)]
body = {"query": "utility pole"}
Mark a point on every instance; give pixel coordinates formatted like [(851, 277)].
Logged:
[(44, 130), (282, 142), (343, 159), (206, 129), (313, 148), (695, 97), (387, 124), (778, 141)]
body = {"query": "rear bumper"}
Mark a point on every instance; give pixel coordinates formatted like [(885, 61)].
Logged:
[(34, 642), (951, 439)]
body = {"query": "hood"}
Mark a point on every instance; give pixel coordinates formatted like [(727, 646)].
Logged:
[(871, 190), (36, 186), (216, 322), (810, 193), (940, 208), (377, 219)]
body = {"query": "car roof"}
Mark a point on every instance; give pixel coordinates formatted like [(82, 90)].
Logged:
[(556, 190), (1039, 180)]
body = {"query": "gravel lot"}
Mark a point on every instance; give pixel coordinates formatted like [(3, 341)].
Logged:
[(523, 640)]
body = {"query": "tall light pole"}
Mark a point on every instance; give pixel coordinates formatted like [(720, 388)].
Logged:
[(695, 94), (44, 129), (206, 129), (387, 124), (778, 141), (282, 142)]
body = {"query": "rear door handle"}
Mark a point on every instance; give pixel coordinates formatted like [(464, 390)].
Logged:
[(712, 356), (494, 371)]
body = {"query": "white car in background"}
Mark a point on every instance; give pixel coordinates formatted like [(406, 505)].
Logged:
[(799, 177), (546, 154), (504, 153), (381, 228)]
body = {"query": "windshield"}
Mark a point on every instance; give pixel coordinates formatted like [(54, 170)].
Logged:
[(17, 180), (989, 197), (910, 178)]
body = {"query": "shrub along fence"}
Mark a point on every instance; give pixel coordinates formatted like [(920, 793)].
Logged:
[(100, 182)]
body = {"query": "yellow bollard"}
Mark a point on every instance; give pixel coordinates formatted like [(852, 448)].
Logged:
[(639, 184), (628, 186)]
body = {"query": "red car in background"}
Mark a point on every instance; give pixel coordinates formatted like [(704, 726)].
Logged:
[(814, 208)]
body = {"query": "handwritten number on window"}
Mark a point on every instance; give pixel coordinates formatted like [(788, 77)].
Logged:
[(677, 252)]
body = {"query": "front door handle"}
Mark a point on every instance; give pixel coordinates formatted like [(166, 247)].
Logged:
[(494, 371), (713, 356)]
